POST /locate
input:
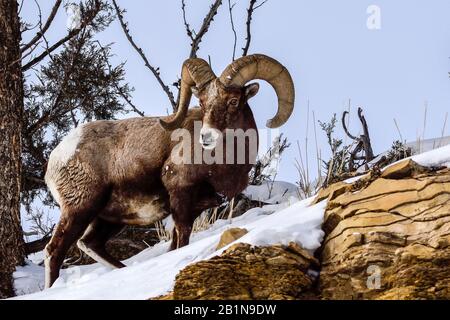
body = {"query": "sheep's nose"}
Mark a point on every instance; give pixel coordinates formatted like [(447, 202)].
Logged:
[(206, 136)]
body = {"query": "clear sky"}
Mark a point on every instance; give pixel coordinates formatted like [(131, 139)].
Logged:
[(392, 72)]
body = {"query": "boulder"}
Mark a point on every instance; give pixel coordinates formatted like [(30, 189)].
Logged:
[(230, 236), (244, 272), (389, 239)]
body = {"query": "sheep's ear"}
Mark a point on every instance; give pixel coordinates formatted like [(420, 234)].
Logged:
[(195, 91), (251, 90)]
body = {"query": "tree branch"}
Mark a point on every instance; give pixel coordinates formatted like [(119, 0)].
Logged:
[(154, 70), (345, 127), (189, 31), (44, 29), (116, 86), (196, 37), (363, 143), (230, 9), (54, 112), (21, 6), (204, 28), (365, 137), (38, 245), (86, 21), (251, 8)]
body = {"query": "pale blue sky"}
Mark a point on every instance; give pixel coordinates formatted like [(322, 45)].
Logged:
[(326, 46)]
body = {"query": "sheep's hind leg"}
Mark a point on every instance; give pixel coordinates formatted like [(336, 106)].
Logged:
[(94, 240), (70, 227)]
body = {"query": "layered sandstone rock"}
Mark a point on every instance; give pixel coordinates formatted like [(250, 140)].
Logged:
[(388, 239), (245, 272)]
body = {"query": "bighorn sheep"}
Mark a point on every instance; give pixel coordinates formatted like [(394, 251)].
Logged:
[(107, 174)]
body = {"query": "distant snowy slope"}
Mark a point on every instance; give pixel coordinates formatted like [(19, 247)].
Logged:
[(426, 145), (152, 272)]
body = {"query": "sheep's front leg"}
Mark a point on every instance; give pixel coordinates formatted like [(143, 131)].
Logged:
[(182, 209)]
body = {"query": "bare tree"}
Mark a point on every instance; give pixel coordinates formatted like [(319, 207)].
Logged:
[(11, 110), (230, 10), (89, 15), (195, 36), (154, 70), (44, 29), (27, 110)]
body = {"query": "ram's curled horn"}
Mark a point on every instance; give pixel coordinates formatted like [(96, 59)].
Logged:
[(258, 66), (195, 72)]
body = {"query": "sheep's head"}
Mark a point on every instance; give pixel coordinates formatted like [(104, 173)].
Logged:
[(222, 99), (222, 108)]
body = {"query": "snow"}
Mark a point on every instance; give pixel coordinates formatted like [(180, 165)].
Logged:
[(272, 192), (435, 158), (353, 179), (73, 16), (152, 272), (29, 279)]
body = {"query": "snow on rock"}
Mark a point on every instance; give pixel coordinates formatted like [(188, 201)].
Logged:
[(152, 272), (434, 158), (272, 192)]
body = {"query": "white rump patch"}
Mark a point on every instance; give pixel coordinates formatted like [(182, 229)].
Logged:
[(59, 157), (68, 146)]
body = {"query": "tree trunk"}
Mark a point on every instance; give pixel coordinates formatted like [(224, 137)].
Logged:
[(11, 111)]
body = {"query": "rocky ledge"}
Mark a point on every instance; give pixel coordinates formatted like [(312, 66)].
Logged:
[(387, 237)]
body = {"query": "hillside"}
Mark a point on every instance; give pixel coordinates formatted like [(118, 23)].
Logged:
[(385, 228)]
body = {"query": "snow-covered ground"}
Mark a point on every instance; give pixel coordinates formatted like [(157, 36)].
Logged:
[(437, 158), (152, 272), (272, 192)]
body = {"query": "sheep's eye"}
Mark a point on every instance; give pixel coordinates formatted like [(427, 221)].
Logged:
[(233, 102)]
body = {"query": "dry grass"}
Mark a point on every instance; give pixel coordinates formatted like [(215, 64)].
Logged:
[(307, 186), (203, 222), (162, 233), (443, 130)]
